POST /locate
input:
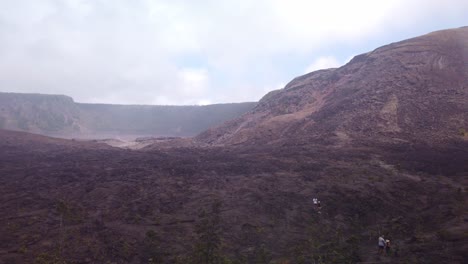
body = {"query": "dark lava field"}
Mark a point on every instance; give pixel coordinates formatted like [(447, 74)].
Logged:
[(75, 202)]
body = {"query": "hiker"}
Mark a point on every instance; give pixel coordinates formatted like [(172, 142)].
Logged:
[(317, 205), (381, 244), (387, 247)]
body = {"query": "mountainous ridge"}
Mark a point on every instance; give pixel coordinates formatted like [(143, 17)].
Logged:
[(59, 115), (389, 93)]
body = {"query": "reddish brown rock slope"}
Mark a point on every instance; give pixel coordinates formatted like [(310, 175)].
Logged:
[(413, 89)]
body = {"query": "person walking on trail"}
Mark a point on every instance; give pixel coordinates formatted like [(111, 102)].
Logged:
[(387, 247), (317, 205), (381, 244)]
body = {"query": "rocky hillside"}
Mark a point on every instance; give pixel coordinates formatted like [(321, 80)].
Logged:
[(59, 115), (415, 89), (39, 113)]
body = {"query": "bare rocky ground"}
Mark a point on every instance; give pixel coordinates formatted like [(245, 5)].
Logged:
[(143, 142), (82, 202)]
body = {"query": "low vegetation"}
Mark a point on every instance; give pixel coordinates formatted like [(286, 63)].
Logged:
[(86, 203)]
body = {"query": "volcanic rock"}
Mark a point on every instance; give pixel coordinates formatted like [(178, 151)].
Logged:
[(416, 89)]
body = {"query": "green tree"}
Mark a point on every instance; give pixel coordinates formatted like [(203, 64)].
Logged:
[(152, 252), (208, 229), (327, 243)]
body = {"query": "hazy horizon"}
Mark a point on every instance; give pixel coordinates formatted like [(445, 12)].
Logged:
[(184, 53)]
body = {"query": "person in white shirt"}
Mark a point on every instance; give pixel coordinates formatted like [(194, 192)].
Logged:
[(381, 244)]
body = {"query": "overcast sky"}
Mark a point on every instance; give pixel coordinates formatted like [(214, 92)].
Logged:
[(196, 52)]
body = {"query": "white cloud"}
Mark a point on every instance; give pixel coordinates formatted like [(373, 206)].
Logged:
[(193, 82), (204, 102), (323, 63), (187, 52)]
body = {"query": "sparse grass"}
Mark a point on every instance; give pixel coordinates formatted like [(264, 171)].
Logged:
[(23, 249), (71, 213), (462, 132), (48, 258)]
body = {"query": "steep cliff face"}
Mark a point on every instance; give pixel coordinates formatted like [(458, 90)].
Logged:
[(59, 115), (158, 120), (413, 89), (38, 113)]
